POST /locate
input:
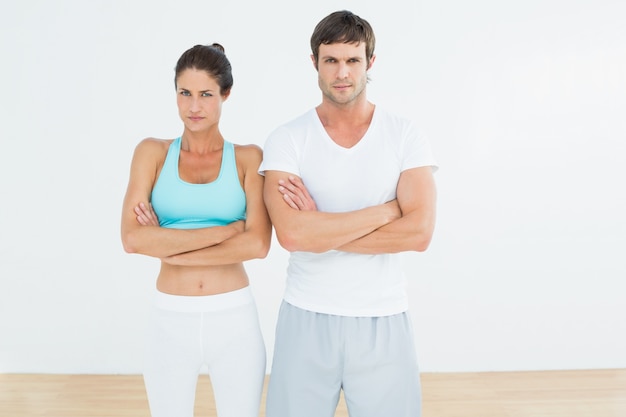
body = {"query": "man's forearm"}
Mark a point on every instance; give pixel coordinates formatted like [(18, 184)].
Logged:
[(405, 234), (315, 231)]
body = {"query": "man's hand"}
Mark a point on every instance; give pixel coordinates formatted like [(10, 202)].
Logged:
[(146, 215), (296, 195)]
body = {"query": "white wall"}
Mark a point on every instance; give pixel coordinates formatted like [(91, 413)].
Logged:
[(524, 102)]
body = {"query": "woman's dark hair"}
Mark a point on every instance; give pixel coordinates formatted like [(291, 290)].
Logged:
[(209, 58), (343, 26)]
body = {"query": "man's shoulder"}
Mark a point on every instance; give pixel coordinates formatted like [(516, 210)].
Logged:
[(293, 128), (388, 116), (299, 121)]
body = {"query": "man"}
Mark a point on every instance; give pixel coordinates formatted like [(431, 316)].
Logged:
[(348, 186)]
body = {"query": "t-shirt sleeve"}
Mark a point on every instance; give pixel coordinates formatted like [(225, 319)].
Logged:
[(416, 151), (279, 153)]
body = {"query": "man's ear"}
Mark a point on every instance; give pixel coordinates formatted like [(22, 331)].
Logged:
[(371, 63), (314, 62)]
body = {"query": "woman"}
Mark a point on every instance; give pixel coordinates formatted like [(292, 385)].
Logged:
[(195, 202)]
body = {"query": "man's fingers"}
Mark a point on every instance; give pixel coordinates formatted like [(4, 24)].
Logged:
[(290, 202)]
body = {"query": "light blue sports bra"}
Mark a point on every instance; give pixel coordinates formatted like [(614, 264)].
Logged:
[(183, 205)]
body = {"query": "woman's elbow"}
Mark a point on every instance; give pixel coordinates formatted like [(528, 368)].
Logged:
[(261, 248), (128, 243)]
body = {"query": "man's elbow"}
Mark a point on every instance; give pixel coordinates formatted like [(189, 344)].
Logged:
[(293, 242), (421, 242), (421, 246), (288, 241)]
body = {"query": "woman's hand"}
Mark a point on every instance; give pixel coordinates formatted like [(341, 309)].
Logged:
[(146, 215)]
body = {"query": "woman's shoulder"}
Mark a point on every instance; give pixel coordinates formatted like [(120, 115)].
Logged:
[(153, 146), (154, 143), (248, 152)]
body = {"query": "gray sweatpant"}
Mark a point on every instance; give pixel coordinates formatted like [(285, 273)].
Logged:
[(373, 359)]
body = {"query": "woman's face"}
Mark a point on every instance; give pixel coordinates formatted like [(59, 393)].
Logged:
[(199, 99)]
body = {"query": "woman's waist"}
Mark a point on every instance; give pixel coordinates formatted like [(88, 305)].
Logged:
[(201, 280), (203, 303)]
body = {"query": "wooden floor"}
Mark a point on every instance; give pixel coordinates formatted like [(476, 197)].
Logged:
[(595, 393)]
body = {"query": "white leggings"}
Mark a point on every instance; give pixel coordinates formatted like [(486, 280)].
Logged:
[(220, 331)]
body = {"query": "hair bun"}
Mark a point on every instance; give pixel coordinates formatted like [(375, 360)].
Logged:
[(217, 46)]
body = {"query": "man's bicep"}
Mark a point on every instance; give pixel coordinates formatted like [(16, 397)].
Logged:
[(417, 199), (416, 189), (284, 218), (277, 208)]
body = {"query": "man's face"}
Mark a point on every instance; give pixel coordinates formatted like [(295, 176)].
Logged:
[(342, 71)]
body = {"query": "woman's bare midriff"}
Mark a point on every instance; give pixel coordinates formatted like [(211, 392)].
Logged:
[(201, 280)]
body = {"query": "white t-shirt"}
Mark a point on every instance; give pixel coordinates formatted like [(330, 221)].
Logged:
[(345, 179)]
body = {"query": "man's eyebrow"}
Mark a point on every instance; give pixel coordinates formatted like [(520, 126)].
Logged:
[(334, 57)]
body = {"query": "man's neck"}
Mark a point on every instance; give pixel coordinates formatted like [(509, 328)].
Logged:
[(356, 114), (346, 125)]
